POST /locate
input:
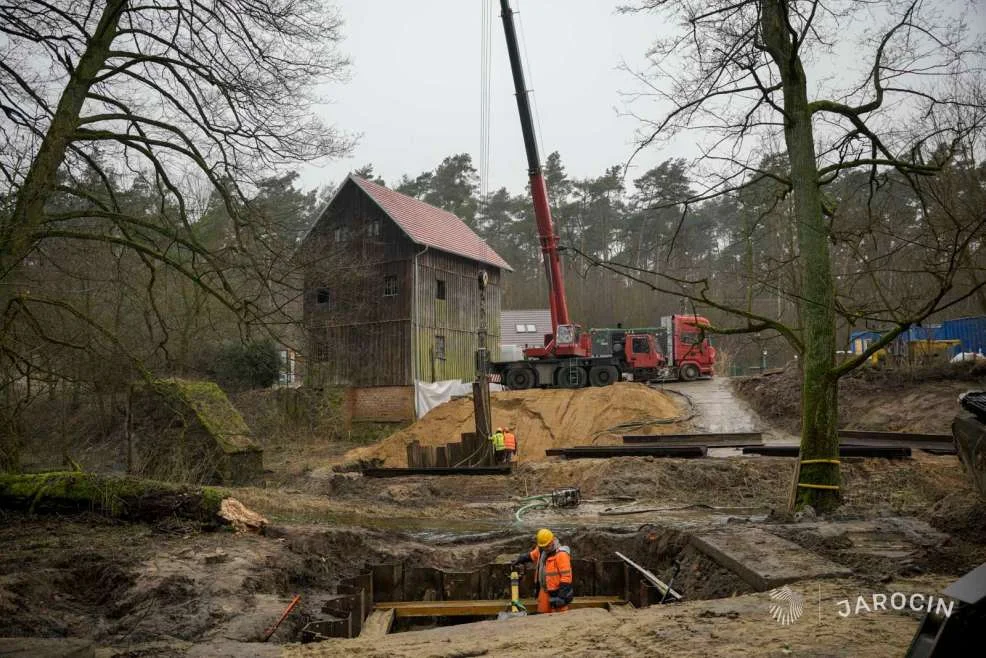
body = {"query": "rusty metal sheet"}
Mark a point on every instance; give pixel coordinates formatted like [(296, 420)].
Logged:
[(460, 585), (611, 578), (388, 582), (422, 584)]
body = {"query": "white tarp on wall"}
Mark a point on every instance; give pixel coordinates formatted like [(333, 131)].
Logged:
[(428, 395)]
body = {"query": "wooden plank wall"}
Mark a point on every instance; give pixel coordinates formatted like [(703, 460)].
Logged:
[(361, 337), (457, 317), (361, 355)]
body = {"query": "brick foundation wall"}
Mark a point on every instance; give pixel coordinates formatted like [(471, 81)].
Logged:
[(382, 404)]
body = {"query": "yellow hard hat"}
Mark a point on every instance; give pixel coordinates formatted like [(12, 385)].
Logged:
[(499, 429), (544, 537)]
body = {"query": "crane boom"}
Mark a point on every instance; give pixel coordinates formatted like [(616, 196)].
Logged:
[(539, 189)]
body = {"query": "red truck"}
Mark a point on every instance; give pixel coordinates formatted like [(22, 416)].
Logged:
[(683, 349)]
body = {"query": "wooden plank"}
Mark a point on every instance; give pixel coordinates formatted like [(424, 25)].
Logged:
[(378, 623), (764, 560), (441, 457), (481, 608), (717, 439)]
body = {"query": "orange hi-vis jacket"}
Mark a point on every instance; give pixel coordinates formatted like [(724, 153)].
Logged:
[(509, 441), (552, 574)]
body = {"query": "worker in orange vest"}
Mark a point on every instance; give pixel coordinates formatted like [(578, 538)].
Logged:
[(509, 445), (553, 582)]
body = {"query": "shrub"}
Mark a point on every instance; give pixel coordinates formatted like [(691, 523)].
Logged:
[(240, 366)]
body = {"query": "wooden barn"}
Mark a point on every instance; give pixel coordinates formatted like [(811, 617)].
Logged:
[(392, 295)]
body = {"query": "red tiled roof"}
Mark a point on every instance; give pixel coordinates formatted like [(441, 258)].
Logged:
[(427, 225)]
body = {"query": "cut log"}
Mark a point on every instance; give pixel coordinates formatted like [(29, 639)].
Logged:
[(126, 498)]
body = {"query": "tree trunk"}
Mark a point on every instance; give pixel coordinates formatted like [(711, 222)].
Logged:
[(40, 178), (123, 498), (818, 472)]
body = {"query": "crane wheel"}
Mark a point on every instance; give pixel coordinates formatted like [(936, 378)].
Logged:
[(689, 372), (518, 379), (571, 377), (603, 375)]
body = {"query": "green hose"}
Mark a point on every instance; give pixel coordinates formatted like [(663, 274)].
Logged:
[(536, 502)]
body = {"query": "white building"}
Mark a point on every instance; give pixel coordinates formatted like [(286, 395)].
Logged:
[(520, 329)]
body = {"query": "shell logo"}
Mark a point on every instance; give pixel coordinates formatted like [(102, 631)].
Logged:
[(787, 605)]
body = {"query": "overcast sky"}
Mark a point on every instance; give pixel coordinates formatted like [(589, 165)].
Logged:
[(414, 94)]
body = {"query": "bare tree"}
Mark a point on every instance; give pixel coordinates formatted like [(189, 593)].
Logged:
[(95, 93), (736, 74)]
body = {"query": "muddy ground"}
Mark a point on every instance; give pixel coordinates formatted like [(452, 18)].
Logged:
[(902, 400), (96, 587)]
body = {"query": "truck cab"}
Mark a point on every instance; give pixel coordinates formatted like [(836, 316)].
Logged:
[(677, 349), (691, 353)]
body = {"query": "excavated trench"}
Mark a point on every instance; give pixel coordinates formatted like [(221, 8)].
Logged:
[(422, 587), (126, 585)]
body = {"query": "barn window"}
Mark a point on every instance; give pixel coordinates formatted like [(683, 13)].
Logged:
[(440, 347), (531, 329), (322, 296), (439, 289), (521, 328), (374, 229), (390, 286)]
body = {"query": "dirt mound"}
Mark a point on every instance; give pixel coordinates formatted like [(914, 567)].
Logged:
[(541, 419), (911, 400)]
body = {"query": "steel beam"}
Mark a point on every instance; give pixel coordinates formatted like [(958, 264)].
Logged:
[(481, 608), (709, 439), (588, 452), (894, 436), (938, 444), (436, 470), (886, 452)]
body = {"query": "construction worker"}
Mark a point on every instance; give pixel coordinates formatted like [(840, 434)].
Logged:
[(509, 445), (498, 445), (553, 581)]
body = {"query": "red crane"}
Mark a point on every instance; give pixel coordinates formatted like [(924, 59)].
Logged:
[(571, 357), (566, 339)]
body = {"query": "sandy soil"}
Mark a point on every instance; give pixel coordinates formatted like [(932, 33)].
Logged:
[(739, 626), (541, 419)]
